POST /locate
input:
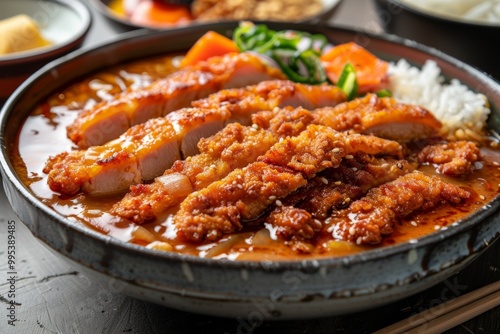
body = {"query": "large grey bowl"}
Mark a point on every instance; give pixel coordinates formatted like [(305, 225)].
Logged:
[(273, 290)]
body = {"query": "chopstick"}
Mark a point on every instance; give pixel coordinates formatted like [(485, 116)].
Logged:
[(449, 314)]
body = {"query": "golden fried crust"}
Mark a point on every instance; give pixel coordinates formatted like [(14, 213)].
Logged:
[(333, 189), (383, 117), (320, 147), (271, 94), (244, 194), (221, 207), (293, 223), (233, 147), (454, 158), (371, 217)]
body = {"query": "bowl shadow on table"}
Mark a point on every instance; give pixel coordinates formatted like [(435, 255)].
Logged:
[(475, 44)]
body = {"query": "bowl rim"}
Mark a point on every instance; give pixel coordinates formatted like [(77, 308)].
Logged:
[(79, 8), (8, 171), (419, 11)]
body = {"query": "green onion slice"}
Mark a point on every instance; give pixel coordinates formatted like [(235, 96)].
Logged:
[(348, 82)]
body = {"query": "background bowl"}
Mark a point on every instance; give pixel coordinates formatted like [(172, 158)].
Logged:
[(64, 22), (329, 8), (470, 41), (269, 289)]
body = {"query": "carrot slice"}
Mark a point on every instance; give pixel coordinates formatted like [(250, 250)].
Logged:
[(370, 71), (211, 44), (156, 14)]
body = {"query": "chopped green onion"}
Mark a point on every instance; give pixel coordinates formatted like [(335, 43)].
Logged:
[(384, 93), (348, 82), (297, 53)]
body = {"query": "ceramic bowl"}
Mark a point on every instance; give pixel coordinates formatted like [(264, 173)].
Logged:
[(265, 289), (63, 22), (471, 41)]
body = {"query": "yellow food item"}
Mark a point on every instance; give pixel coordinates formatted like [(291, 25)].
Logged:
[(20, 33)]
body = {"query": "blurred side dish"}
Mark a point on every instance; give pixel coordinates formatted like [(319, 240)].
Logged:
[(156, 13), (20, 33)]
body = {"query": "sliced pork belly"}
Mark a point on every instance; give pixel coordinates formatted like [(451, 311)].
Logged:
[(109, 119), (233, 147), (371, 217), (190, 124), (144, 202), (383, 117), (245, 193), (272, 94), (141, 153)]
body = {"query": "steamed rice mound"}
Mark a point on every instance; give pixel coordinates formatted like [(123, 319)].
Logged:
[(462, 112)]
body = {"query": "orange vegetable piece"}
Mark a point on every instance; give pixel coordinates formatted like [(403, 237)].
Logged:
[(370, 71), (211, 44), (156, 14)]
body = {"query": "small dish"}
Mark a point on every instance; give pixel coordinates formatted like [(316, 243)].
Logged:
[(64, 23), (104, 7)]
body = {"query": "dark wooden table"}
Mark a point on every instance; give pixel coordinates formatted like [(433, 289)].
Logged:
[(53, 297)]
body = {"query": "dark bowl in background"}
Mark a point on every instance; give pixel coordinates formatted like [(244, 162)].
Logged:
[(472, 42)]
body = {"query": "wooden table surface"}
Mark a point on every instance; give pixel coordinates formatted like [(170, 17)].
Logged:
[(53, 297)]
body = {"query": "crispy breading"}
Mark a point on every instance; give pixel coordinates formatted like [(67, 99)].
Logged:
[(244, 194), (453, 158), (369, 218)]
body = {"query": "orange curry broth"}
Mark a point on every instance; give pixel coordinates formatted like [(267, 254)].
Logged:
[(44, 134)]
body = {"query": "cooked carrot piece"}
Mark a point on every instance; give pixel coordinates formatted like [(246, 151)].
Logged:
[(370, 70), (209, 45), (160, 15)]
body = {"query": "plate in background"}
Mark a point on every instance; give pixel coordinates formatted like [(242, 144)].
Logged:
[(103, 6), (65, 23)]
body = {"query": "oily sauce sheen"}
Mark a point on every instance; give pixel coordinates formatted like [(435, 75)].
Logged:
[(44, 134)]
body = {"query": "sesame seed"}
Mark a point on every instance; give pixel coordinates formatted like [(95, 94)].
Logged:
[(272, 198), (437, 227), (324, 180), (234, 182), (482, 197), (338, 183), (255, 126), (352, 230), (354, 169), (359, 240), (240, 186), (347, 200), (253, 129), (336, 150), (414, 223), (349, 156), (278, 202)]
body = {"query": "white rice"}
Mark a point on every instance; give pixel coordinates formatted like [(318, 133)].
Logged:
[(462, 111)]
